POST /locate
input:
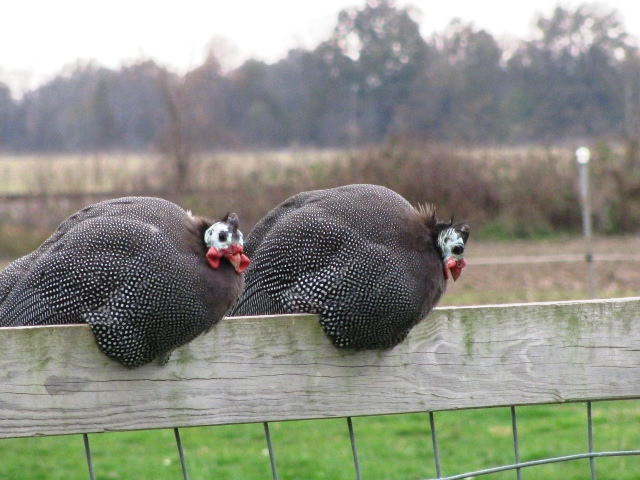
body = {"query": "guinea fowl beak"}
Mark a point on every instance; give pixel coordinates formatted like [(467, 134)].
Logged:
[(453, 266)]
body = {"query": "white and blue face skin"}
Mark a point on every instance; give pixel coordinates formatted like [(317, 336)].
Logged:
[(221, 236), (452, 242)]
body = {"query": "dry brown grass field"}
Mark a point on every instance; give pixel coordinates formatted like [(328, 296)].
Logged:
[(72, 173), (255, 182)]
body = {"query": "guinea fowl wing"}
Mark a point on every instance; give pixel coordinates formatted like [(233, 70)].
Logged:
[(90, 254), (283, 277), (360, 256)]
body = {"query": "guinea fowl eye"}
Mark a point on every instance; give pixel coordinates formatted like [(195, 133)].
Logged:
[(222, 236), (457, 250)]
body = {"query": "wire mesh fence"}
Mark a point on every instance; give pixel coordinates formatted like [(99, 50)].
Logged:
[(518, 465), (584, 451)]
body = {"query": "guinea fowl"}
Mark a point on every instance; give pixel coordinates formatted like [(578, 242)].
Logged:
[(145, 275), (360, 256)]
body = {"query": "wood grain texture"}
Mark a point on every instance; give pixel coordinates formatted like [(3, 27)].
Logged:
[(54, 380)]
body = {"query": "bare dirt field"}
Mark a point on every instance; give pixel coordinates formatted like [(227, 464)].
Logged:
[(527, 271)]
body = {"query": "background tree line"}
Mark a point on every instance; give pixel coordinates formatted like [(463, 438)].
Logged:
[(375, 77)]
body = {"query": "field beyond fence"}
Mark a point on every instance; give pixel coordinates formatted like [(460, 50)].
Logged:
[(521, 204), (503, 193)]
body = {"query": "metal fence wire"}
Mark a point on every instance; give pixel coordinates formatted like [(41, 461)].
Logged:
[(519, 465), (516, 466)]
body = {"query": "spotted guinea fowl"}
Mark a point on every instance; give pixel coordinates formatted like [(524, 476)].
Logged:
[(360, 256), (146, 275)]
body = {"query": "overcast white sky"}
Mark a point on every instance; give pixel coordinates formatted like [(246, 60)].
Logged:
[(39, 37)]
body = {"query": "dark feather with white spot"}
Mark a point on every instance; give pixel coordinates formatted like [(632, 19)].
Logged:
[(134, 269)]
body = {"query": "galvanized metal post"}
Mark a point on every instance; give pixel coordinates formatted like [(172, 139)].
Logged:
[(87, 451), (583, 156)]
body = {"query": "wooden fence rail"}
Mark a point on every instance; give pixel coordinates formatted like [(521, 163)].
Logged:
[(54, 380)]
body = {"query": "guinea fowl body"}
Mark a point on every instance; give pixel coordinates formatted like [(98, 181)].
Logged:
[(134, 269), (360, 256)]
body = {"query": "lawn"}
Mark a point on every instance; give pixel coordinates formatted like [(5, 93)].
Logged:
[(389, 447)]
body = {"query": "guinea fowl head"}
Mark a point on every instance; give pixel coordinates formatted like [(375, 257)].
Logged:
[(451, 242), (450, 239), (224, 240)]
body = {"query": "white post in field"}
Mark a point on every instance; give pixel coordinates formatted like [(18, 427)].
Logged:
[(583, 156)]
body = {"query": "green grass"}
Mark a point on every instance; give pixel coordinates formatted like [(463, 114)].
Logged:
[(389, 447)]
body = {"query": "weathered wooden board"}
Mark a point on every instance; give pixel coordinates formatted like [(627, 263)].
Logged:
[(54, 380)]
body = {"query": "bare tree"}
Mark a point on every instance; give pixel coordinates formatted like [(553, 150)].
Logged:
[(174, 140)]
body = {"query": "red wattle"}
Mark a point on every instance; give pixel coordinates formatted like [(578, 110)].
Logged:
[(237, 258), (213, 257), (234, 254), (454, 267)]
